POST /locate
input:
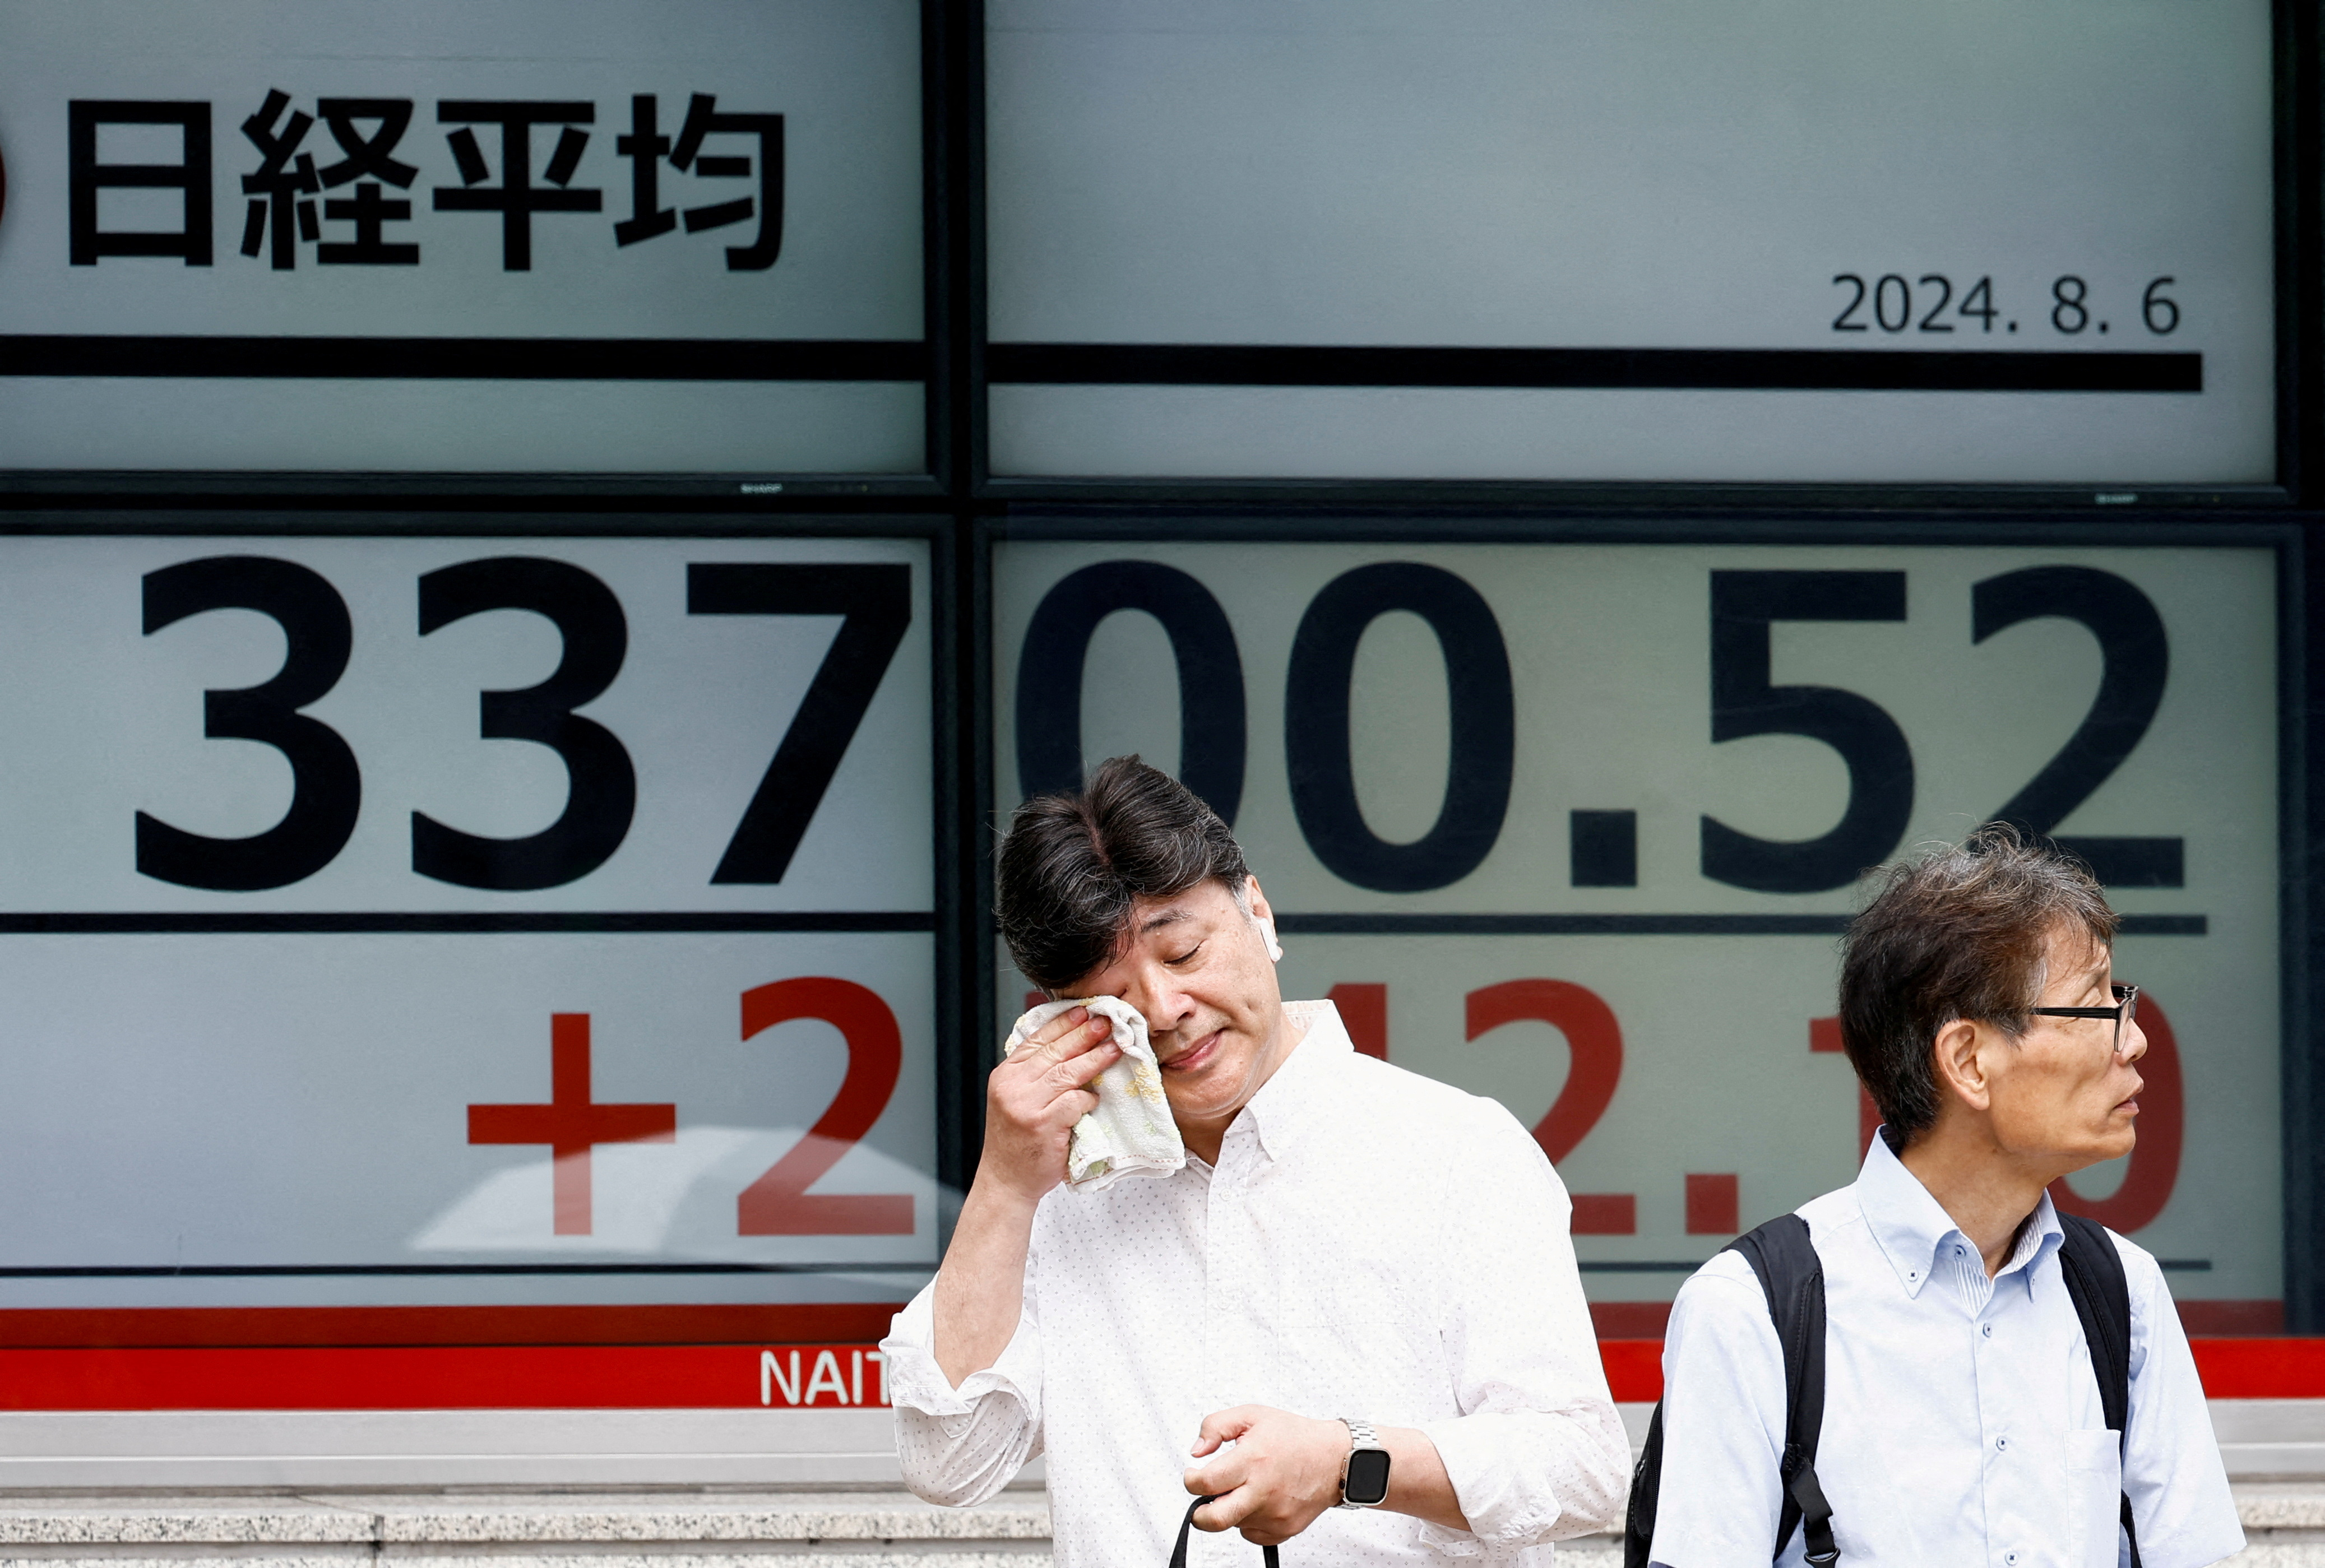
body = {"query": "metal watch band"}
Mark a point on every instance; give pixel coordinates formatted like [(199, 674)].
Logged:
[(1361, 1435)]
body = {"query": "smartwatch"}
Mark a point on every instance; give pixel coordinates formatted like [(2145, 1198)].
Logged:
[(1364, 1484)]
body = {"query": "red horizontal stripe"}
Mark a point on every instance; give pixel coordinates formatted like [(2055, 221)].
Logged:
[(245, 1327), (1634, 1368), (2262, 1369), (2226, 1319), (443, 1378), (1629, 1320), (708, 1376)]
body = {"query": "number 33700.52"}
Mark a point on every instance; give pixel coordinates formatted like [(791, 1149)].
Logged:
[(326, 794), (1745, 605)]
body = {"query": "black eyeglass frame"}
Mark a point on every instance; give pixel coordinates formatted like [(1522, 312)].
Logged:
[(2126, 1007)]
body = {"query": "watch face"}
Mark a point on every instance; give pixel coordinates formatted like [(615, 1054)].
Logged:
[(1367, 1481)]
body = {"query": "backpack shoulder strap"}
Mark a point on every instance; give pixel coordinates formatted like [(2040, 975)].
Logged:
[(1782, 1255), (1647, 1491), (2102, 1297)]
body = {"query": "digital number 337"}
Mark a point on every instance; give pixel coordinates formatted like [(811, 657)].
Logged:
[(327, 785)]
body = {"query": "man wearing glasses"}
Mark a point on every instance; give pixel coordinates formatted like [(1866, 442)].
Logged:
[(1963, 1421)]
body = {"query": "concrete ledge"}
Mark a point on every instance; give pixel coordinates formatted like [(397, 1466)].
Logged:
[(670, 1489), (532, 1519), (664, 1529), (703, 1528), (210, 1450)]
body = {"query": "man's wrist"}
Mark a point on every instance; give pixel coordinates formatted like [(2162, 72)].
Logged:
[(989, 1190)]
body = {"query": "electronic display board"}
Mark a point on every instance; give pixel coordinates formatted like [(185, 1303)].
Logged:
[(1874, 243), (422, 922), (595, 238), (1579, 826)]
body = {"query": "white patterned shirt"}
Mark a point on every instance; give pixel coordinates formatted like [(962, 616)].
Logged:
[(1962, 1423), (1372, 1244)]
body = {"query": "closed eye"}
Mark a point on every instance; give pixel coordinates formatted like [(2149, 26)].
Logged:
[(1185, 956)]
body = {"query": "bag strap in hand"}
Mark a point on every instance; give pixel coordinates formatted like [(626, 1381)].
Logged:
[(1179, 1551)]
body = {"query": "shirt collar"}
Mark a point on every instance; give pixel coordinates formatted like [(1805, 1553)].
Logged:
[(1910, 1226), (1288, 1097)]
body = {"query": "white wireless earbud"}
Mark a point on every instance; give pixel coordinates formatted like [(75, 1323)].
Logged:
[(1275, 948)]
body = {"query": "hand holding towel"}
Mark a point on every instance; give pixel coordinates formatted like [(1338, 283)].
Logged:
[(1130, 1132)]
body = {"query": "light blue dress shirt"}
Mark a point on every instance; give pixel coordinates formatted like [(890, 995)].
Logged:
[(1962, 1423)]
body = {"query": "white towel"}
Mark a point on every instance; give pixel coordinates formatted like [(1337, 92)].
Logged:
[(1130, 1132)]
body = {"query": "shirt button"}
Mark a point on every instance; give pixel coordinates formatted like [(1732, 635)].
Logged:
[(2010, 1556), (1999, 1444), (1987, 1328)]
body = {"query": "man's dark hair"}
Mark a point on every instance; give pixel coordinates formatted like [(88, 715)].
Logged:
[(1959, 935), (1073, 863)]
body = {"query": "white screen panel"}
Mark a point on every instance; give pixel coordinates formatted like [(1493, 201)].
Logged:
[(386, 919), (1686, 178), (1447, 875), (596, 237)]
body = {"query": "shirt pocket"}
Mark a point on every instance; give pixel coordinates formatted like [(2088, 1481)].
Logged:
[(2095, 1496)]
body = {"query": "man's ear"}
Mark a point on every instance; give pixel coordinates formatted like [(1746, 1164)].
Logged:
[(1256, 901), (1954, 1057)]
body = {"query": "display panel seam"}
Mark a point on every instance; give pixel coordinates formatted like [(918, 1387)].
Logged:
[(464, 922), (1332, 517), (1657, 369), (462, 525), (468, 358), (1643, 925)]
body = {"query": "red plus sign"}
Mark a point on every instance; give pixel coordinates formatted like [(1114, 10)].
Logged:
[(569, 1124)]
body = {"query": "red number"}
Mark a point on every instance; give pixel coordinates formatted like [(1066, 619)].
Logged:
[(1592, 1035), (778, 1203), (2163, 1120), (1595, 1042)]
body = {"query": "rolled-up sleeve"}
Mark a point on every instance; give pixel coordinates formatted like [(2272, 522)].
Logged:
[(959, 1446), (1538, 1453)]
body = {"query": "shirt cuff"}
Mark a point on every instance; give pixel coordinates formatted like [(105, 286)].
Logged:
[(1505, 1514), (915, 1381), (1449, 1542)]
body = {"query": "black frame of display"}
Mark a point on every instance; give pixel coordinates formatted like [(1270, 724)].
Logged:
[(965, 513)]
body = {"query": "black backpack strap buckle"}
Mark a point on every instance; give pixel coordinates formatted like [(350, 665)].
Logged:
[(1803, 1494)]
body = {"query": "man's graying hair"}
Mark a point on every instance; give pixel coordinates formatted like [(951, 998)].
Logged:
[(1073, 864), (1959, 935)]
